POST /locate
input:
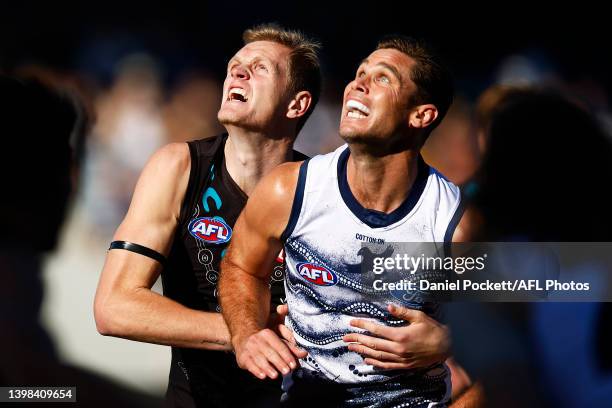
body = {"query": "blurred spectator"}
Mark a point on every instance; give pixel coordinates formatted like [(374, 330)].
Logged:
[(191, 112), (128, 130), (545, 152), (486, 106), (320, 134), (39, 124), (452, 147), (546, 162)]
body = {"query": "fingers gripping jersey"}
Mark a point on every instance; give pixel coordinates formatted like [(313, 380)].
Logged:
[(325, 285)]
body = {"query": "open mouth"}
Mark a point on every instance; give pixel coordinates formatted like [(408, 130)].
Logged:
[(356, 109), (237, 94)]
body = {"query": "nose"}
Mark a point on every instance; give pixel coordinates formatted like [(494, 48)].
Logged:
[(239, 72), (360, 84)]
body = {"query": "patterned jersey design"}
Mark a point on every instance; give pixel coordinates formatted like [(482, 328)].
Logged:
[(326, 287)]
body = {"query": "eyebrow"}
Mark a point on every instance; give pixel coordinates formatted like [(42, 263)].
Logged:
[(261, 59), (253, 61), (387, 66)]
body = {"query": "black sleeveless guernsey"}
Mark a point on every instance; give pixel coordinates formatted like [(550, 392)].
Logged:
[(212, 203)]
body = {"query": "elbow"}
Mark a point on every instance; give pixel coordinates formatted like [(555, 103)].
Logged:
[(105, 317)]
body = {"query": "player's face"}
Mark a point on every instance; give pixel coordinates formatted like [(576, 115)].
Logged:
[(255, 88), (377, 102)]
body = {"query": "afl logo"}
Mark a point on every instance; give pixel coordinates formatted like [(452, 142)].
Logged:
[(319, 275), (211, 230)]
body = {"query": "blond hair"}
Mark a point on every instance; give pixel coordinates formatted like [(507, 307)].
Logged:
[(304, 67)]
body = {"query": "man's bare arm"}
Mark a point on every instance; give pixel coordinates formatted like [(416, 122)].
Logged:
[(125, 306), (245, 272)]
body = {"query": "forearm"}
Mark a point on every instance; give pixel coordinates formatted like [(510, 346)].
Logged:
[(143, 315), (245, 301)]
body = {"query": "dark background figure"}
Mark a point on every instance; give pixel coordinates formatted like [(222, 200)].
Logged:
[(42, 133), (543, 178)]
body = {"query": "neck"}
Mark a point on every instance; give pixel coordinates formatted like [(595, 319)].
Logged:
[(251, 155), (381, 182)]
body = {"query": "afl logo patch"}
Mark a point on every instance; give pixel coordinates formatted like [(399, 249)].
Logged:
[(319, 275), (211, 230)]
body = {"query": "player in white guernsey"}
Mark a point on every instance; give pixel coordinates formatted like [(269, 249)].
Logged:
[(378, 188)]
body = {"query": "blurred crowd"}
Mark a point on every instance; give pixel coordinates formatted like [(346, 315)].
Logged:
[(139, 111), (532, 152)]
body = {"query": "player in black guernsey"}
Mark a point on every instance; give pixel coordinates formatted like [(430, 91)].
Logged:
[(191, 273), (182, 213)]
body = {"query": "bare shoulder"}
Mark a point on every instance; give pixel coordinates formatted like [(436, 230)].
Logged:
[(272, 199), (173, 157), (282, 180), (167, 169), (158, 196)]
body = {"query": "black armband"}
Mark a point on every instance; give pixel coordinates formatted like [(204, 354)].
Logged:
[(139, 249)]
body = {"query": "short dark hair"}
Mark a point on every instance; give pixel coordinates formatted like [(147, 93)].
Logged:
[(430, 74), (304, 65)]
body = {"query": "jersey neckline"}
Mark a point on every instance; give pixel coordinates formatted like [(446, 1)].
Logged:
[(374, 218)]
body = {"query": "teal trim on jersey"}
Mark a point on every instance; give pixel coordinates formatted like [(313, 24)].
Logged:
[(211, 193)]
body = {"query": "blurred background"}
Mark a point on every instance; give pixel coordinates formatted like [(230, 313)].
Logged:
[(144, 74)]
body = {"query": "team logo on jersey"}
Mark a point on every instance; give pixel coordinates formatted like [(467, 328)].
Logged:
[(319, 275), (211, 230)]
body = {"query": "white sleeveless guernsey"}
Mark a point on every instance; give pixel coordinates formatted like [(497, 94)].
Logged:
[(325, 285)]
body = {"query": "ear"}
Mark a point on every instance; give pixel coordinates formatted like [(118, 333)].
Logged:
[(299, 105), (423, 116)]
